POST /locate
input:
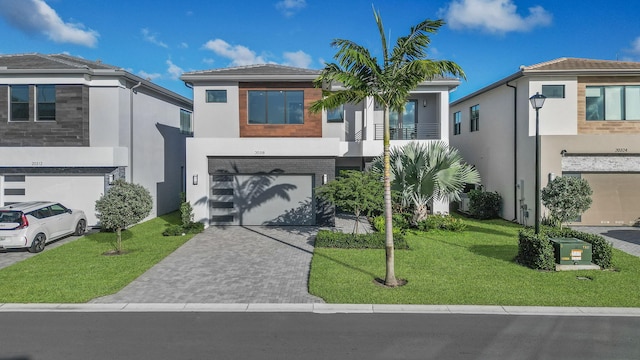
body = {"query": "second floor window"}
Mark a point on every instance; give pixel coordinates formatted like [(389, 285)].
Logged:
[(19, 102), (276, 107), (216, 96), (474, 117), (186, 126), (457, 123), (46, 106), (613, 102), (336, 115)]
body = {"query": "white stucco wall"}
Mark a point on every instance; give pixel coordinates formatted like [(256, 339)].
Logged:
[(557, 116), (216, 119)]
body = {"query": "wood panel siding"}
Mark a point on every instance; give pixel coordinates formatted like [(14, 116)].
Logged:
[(312, 126), (608, 126)]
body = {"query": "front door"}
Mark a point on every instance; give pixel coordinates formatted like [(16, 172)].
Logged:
[(403, 126)]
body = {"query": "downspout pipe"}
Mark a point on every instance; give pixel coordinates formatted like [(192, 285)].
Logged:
[(515, 150), (133, 91)]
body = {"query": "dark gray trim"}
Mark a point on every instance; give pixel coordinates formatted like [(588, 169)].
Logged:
[(57, 170)]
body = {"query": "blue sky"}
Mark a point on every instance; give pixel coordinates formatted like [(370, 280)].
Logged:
[(159, 39)]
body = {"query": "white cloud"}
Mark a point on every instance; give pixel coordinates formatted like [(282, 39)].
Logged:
[(149, 76), (298, 59), (35, 16), (290, 7), (635, 46), (149, 37), (174, 70), (208, 61), (184, 45), (239, 55), (494, 16)]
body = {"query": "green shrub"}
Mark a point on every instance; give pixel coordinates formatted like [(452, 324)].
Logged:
[(484, 204), (195, 228), (177, 230), (441, 222), (173, 230), (602, 250), (400, 223), (332, 239), (535, 251)]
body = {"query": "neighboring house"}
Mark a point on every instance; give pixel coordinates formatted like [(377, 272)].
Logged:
[(257, 152), (69, 126), (589, 127)]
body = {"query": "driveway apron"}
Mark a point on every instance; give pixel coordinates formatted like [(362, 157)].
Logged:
[(234, 264), (625, 238)]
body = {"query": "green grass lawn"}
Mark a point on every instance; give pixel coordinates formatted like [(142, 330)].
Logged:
[(78, 271), (474, 267)]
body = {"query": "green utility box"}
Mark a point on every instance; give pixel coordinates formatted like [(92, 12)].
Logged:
[(571, 251)]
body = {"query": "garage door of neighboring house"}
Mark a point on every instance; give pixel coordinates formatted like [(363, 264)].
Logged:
[(261, 199), (616, 199), (76, 192)]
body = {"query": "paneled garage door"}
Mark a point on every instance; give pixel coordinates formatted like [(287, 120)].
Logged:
[(616, 199), (261, 199)]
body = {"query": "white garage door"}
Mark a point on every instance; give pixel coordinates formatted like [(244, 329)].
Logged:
[(76, 192), (261, 199)]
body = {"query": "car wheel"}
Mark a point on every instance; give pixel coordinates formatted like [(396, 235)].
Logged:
[(81, 227), (37, 245)]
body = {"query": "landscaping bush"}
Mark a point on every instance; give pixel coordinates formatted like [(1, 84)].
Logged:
[(332, 239), (602, 250), (535, 251), (186, 216), (441, 222), (400, 223), (173, 230), (484, 204)]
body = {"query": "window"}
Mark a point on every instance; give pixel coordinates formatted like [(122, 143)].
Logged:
[(186, 127), (14, 178), (19, 103), (457, 123), (613, 102), (46, 106), (475, 117), (276, 107), (336, 115), (553, 91), (216, 96), (57, 209)]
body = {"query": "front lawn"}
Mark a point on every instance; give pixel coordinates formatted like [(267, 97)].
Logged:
[(78, 272), (474, 267)]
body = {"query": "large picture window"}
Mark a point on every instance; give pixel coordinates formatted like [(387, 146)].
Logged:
[(613, 102), (19, 102), (276, 107), (457, 123), (474, 117), (46, 97)]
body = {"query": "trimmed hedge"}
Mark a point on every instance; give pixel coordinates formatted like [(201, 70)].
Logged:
[(602, 250), (537, 252), (484, 204), (441, 222), (376, 240)]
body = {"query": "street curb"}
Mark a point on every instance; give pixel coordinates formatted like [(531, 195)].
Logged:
[(320, 308)]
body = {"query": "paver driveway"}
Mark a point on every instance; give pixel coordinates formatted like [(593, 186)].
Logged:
[(233, 264)]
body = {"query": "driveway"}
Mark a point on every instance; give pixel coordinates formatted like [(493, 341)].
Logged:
[(232, 264), (625, 238)]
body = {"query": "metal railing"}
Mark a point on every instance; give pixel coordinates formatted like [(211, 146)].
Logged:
[(429, 131)]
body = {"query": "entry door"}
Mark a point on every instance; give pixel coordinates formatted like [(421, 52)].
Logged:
[(403, 126)]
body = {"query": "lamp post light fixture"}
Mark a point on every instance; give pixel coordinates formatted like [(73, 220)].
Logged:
[(537, 101)]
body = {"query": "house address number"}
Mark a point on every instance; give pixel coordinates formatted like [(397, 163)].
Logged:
[(259, 152), (36, 163), (621, 150)]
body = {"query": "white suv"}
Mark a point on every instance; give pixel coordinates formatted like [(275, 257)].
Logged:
[(33, 224)]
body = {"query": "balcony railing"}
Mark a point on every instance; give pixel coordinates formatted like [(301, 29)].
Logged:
[(429, 131)]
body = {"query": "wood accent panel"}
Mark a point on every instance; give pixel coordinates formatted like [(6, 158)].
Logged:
[(609, 126), (312, 126)]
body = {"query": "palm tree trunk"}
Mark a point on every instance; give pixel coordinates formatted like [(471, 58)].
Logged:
[(390, 278)]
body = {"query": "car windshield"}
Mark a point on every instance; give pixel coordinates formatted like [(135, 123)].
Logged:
[(10, 217)]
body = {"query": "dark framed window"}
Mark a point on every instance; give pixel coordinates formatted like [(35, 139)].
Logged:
[(14, 191), (276, 106), (46, 102), (457, 123), (553, 91), (14, 178), (216, 96), (336, 115), (19, 102), (613, 102), (474, 116), (186, 126)]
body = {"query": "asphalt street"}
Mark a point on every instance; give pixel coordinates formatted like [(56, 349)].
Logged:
[(283, 336)]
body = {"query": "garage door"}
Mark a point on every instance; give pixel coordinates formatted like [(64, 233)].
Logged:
[(260, 199), (76, 192), (616, 199)]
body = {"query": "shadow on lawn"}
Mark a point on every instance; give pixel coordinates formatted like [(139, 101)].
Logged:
[(500, 252)]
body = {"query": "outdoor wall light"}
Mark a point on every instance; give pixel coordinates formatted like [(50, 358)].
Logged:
[(195, 179), (424, 102), (324, 179), (111, 178)]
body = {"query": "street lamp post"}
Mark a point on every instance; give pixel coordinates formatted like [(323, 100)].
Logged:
[(537, 101)]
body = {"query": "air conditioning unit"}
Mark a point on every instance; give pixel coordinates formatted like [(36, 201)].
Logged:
[(464, 203)]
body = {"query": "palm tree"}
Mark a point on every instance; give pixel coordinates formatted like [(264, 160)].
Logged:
[(423, 173), (388, 82)]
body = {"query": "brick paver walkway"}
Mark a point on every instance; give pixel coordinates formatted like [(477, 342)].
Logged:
[(625, 238)]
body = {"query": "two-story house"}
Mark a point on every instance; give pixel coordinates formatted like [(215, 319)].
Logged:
[(589, 127), (258, 153), (69, 127)]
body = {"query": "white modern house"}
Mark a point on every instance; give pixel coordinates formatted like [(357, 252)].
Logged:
[(589, 126), (69, 127), (257, 153)]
